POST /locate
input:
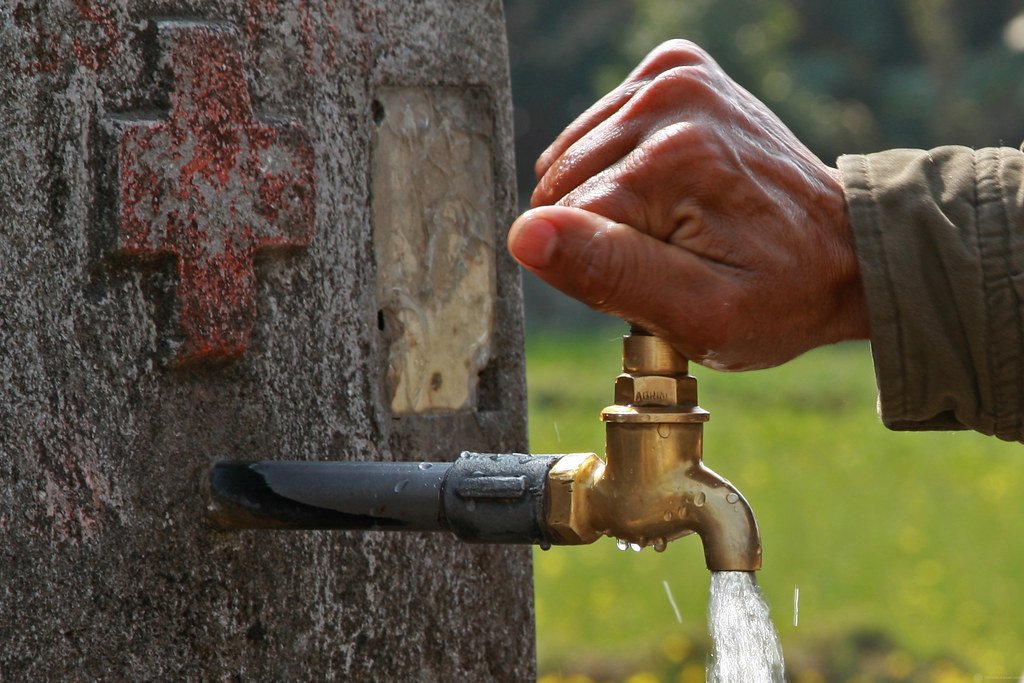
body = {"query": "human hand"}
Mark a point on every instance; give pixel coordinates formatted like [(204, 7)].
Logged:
[(686, 206)]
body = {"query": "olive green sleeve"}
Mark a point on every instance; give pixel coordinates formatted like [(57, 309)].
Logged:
[(940, 240)]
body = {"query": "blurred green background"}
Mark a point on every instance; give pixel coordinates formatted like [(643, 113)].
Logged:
[(906, 548)]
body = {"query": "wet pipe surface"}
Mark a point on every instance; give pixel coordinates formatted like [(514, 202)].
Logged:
[(210, 185)]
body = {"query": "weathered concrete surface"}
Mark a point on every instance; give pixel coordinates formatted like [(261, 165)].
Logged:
[(109, 571), (434, 243)]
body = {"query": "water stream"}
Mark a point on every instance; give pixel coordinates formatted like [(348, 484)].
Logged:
[(746, 646)]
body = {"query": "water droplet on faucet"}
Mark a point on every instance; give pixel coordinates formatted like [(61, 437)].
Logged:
[(425, 465), (667, 516), (400, 486), (635, 547), (659, 545), (620, 544), (732, 498), (699, 499)]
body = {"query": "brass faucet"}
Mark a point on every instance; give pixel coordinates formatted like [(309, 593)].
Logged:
[(652, 486)]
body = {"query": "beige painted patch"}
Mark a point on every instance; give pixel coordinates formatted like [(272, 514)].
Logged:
[(434, 241)]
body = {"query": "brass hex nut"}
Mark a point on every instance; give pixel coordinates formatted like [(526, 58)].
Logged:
[(566, 509), (655, 390)]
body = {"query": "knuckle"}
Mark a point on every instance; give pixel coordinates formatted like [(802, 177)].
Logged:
[(678, 88), (696, 141), (675, 52), (688, 81), (613, 195)]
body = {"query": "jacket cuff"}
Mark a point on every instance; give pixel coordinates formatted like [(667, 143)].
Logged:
[(943, 274)]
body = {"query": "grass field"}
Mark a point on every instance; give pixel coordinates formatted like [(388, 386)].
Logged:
[(907, 549)]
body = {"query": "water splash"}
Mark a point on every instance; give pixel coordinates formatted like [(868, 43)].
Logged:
[(746, 646), (672, 601)]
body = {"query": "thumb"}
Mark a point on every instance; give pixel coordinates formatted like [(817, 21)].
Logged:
[(609, 266)]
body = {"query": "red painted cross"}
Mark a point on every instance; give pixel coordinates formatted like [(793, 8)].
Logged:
[(211, 185)]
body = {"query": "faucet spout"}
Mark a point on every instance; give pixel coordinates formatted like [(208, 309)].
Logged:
[(725, 524), (653, 486)]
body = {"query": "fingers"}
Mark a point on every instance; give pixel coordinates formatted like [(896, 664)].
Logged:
[(668, 55), (616, 269), (599, 149), (584, 123), (669, 114)]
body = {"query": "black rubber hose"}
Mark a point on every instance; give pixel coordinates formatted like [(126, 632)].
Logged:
[(481, 497), (328, 495)]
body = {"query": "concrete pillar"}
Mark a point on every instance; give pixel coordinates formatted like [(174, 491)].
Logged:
[(252, 230)]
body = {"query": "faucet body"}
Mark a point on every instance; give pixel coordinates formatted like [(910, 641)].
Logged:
[(651, 488)]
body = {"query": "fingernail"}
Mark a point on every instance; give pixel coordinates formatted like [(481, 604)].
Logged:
[(533, 242)]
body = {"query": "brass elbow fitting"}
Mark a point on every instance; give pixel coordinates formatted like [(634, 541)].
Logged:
[(652, 487)]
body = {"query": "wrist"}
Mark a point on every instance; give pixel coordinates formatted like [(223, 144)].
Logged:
[(850, 314)]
